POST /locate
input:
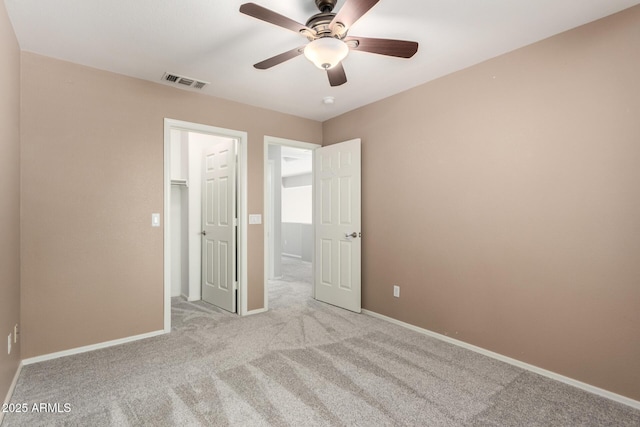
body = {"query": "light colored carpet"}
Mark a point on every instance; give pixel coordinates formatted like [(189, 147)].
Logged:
[(303, 363)]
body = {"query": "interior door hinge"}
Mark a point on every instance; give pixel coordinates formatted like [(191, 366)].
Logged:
[(235, 286), (235, 222)]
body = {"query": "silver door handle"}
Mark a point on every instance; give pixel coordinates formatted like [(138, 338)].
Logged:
[(354, 235), (204, 233)]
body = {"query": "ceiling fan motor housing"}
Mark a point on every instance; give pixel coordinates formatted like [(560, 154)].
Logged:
[(320, 23), (326, 5)]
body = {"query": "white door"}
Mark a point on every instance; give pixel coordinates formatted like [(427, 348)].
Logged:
[(338, 227), (219, 226)]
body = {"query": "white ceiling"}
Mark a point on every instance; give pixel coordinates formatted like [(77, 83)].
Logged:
[(212, 41)]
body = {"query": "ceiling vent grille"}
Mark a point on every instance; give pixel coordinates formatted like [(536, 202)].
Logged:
[(183, 81)]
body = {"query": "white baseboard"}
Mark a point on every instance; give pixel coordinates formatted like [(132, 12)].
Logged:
[(292, 255), (186, 297), (12, 387), (91, 347), (256, 311), (532, 368)]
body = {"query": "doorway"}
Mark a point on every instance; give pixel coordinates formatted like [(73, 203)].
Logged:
[(183, 163), (288, 207)]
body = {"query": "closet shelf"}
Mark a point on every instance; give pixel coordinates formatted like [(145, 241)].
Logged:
[(182, 182)]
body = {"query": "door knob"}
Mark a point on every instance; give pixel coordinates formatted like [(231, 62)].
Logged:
[(204, 233), (354, 235)]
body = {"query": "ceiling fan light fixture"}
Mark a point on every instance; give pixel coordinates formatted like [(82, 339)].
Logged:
[(326, 52)]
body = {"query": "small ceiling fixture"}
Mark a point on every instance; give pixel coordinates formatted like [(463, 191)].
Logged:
[(326, 52), (328, 100)]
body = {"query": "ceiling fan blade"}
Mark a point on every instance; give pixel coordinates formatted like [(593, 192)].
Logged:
[(279, 59), (389, 47), (272, 17), (351, 11), (337, 75)]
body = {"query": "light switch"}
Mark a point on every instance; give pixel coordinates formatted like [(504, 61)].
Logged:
[(155, 220), (255, 219)]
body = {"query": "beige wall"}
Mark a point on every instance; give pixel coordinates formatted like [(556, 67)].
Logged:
[(9, 198), (505, 201), (92, 174)]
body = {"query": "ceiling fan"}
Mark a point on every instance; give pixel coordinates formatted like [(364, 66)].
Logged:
[(329, 43)]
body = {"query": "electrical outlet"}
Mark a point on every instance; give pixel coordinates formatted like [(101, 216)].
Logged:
[(396, 291), (15, 333), (9, 344)]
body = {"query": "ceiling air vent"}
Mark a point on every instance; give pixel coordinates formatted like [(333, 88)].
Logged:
[(171, 77), (184, 81)]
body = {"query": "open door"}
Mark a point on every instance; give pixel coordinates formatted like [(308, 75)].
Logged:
[(338, 225), (219, 226)]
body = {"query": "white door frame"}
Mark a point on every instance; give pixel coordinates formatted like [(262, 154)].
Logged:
[(273, 140), (269, 197), (241, 138)]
